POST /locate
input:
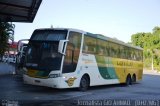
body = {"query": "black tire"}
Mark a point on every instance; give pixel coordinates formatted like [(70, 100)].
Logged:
[(84, 83), (134, 78), (128, 80)]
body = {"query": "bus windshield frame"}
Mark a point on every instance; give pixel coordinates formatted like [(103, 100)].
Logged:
[(42, 51)]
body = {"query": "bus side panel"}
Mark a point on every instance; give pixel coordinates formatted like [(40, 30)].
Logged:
[(101, 70), (113, 68), (139, 69), (125, 67), (88, 65), (96, 67), (119, 65)]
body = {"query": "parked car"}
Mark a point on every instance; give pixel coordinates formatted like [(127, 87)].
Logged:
[(5, 58), (11, 58)]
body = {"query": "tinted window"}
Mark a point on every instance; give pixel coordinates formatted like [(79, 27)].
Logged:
[(101, 47), (43, 56), (72, 52), (89, 45), (49, 35)]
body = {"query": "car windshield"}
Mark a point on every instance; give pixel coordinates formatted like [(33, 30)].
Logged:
[(43, 56)]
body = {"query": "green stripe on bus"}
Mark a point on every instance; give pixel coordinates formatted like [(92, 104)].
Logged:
[(105, 72)]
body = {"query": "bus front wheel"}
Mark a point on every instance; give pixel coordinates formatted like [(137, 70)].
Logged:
[(84, 83)]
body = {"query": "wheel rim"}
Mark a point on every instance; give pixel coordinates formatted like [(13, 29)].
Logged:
[(134, 79), (128, 82), (84, 83)]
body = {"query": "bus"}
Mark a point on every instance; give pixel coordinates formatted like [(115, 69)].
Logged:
[(71, 58), (21, 49)]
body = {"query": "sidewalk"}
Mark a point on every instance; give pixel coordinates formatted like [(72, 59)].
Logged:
[(6, 68), (150, 72)]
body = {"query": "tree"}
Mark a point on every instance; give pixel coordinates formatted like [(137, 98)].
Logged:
[(6, 35), (138, 39), (156, 29), (150, 42)]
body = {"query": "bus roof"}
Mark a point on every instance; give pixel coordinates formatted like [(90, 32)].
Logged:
[(99, 36), (69, 29)]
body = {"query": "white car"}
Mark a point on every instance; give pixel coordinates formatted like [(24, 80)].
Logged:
[(12, 58), (9, 58), (5, 58)]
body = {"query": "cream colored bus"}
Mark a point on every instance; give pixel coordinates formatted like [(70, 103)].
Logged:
[(71, 58)]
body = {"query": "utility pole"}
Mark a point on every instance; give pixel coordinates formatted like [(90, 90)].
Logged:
[(152, 63)]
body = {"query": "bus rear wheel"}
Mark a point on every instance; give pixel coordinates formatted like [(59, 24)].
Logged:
[(128, 80), (134, 78), (84, 83)]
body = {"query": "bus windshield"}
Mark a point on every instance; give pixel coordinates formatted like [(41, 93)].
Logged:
[(43, 56), (42, 52)]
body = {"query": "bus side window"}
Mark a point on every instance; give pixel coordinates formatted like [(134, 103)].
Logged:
[(101, 50), (85, 48), (133, 54), (117, 50), (89, 45), (121, 51), (112, 49), (107, 48), (129, 53), (72, 52)]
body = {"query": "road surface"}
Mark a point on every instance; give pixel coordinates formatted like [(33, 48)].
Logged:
[(146, 93)]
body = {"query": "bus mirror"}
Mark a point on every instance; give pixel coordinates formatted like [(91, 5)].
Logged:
[(61, 46)]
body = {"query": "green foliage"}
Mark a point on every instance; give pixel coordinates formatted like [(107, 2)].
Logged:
[(6, 34), (150, 42)]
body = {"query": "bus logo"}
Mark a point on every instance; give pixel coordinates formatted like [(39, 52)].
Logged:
[(70, 81)]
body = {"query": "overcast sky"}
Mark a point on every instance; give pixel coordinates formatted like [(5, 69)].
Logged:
[(113, 18)]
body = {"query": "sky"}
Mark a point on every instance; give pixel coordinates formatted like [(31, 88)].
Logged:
[(113, 18)]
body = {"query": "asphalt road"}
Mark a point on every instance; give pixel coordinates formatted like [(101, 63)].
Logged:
[(6, 68), (146, 93)]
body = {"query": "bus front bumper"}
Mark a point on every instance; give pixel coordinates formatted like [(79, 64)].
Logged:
[(48, 82)]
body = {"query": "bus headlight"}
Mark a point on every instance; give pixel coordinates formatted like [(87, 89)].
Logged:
[(54, 75)]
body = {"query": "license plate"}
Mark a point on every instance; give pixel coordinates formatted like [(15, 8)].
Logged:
[(37, 81)]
